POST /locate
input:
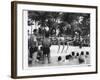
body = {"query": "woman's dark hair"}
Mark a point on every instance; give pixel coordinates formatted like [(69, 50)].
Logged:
[(77, 54), (35, 30), (41, 48), (59, 58), (73, 53), (82, 53), (68, 57), (87, 53)]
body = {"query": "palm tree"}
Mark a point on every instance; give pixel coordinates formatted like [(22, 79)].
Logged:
[(38, 17), (33, 17)]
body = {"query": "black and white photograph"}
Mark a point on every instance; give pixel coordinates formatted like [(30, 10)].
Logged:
[(58, 38), (53, 39)]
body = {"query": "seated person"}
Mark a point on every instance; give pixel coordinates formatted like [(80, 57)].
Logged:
[(81, 58)]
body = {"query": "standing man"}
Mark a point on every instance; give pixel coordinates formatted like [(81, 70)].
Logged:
[(77, 39), (46, 47), (34, 46)]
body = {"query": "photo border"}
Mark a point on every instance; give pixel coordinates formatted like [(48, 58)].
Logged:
[(14, 38)]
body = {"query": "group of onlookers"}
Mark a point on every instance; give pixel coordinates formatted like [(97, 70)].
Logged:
[(38, 53)]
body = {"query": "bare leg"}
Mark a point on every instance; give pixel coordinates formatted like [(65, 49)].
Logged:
[(58, 46), (67, 47), (34, 57), (63, 47), (44, 58), (48, 56)]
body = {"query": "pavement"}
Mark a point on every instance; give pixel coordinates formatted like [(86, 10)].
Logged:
[(54, 54)]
